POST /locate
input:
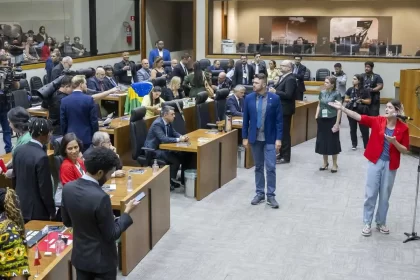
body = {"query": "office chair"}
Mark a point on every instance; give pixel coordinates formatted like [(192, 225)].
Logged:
[(248, 89), (224, 64), (252, 48), (161, 82), (21, 98), (307, 76), (138, 133), (322, 73), (220, 103), (166, 64), (179, 121), (23, 84), (204, 63), (35, 83), (202, 110)]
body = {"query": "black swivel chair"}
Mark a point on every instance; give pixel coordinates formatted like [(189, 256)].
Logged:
[(307, 76), (322, 73), (248, 89), (36, 83), (224, 64), (21, 98), (161, 82), (220, 103), (23, 84), (179, 121), (204, 63), (166, 64), (138, 133), (202, 110)]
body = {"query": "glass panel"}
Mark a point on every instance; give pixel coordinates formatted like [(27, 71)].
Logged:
[(31, 29)]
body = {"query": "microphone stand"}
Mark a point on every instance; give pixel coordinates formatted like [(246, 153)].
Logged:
[(413, 235)]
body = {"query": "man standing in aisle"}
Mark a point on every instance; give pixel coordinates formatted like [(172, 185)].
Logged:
[(374, 84), (299, 71), (263, 130)]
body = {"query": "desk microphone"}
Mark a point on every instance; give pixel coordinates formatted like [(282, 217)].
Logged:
[(404, 118)]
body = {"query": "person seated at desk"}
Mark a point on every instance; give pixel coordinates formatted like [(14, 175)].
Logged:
[(73, 166), (78, 113), (33, 182), (102, 139), (153, 102), (109, 81), (170, 69), (222, 82), (19, 122), (215, 66), (162, 132), (87, 208), (173, 90), (235, 102), (12, 230), (97, 84), (144, 74)]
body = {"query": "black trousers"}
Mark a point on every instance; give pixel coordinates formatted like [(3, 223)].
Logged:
[(299, 95), (375, 105), (286, 143), (174, 160), (84, 275), (353, 132)]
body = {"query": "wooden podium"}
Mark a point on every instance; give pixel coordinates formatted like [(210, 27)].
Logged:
[(409, 84)]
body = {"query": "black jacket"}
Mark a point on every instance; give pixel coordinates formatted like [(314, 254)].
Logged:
[(56, 72), (33, 182), (300, 76), (157, 134), (122, 76), (53, 106), (286, 88), (87, 208), (237, 78), (178, 71)]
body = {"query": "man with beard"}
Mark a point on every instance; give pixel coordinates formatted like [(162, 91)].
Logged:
[(159, 51), (87, 209), (65, 64), (78, 113), (374, 84)]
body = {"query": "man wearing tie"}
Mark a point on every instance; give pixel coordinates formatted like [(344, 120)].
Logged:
[(181, 70), (286, 90), (263, 130), (235, 102), (161, 131), (143, 75), (299, 72), (244, 73), (259, 65), (98, 87), (109, 80)]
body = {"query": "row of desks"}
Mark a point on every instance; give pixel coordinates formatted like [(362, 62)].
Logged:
[(151, 221)]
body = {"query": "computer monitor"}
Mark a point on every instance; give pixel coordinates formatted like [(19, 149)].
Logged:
[(395, 49)]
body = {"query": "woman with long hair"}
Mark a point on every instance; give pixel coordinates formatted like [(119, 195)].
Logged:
[(389, 139), (46, 48), (173, 92), (358, 100), (195, 80), (158, 70), (73, 166), (13, 250), (328, 120), (153, 102)]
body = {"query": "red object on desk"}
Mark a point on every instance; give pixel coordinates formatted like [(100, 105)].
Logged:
[(47, 244), (3, 166)]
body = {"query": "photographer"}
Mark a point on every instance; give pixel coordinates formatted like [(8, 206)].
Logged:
[(358, 99), (374, 84), (4, 102), (53, 105)]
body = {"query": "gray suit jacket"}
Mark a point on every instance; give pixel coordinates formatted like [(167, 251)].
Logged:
[(143, 75)]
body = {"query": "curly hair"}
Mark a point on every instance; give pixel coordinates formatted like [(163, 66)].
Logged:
[(12, 210)]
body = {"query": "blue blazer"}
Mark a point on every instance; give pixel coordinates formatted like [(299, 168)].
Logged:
[(273, 124), (78, 114), (233, 106), (157, 134), (155, 53), (94, 84)]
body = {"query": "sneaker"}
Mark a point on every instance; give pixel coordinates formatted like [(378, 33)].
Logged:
[(367, 231), (272, 202), (353, 148), (258, 199), (382, 229)]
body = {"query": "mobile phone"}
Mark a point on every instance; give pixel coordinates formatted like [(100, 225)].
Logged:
[(140, 197)]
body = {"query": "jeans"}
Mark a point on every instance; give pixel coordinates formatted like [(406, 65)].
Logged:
[(380, 180), (7, 132), (264, 154)]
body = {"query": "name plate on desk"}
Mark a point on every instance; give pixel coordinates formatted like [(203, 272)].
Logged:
[(183, 144), (203, 140)]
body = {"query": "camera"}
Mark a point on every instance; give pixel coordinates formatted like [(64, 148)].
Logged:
[(352, 104), (8, 76)]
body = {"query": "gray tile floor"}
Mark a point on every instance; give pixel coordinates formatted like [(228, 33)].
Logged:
[(314, 235)]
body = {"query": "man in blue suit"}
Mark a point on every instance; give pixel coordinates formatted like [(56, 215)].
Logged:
[(159, 51), (235, 102), (78, 113), (263, 130)]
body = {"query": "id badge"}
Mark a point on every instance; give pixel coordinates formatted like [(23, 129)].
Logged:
[(129, 73), (245, 76), (324, 113)]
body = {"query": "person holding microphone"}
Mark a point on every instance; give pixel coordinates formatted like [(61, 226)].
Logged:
[(389, 139)]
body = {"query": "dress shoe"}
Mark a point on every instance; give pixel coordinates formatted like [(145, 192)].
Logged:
[(282, 161)]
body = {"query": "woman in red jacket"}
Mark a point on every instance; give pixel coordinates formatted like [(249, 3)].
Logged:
[(46, 48), (389, 139), (72, 167)]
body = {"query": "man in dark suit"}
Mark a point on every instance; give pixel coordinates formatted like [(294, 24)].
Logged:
[(259, 65), (161, 132), (235, 102), (299, 72), (181, 70), (159, 51), (87, 209), (286, 89), (125, 71), (263, 130), (109, 80), (170, 69), (65, 64), (78, 113), (32, 174), (244, 73)]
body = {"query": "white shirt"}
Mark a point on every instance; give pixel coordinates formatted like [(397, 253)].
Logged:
[(36, 141), (160, 53)]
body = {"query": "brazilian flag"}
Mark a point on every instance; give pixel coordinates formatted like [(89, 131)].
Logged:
[(135, 95)]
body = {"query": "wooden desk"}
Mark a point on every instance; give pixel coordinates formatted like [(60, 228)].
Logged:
[(314, 83), (190, 115), (215, 161), (38, 112), (151, 218), (397, 90), (120, 100), (52, 267)]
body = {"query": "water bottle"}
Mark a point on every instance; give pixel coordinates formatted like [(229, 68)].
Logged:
[(305, 99), (129, 184), (59, 245), (155, 167)]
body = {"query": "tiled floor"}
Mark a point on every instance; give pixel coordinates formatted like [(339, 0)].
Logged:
[(314, 235)]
